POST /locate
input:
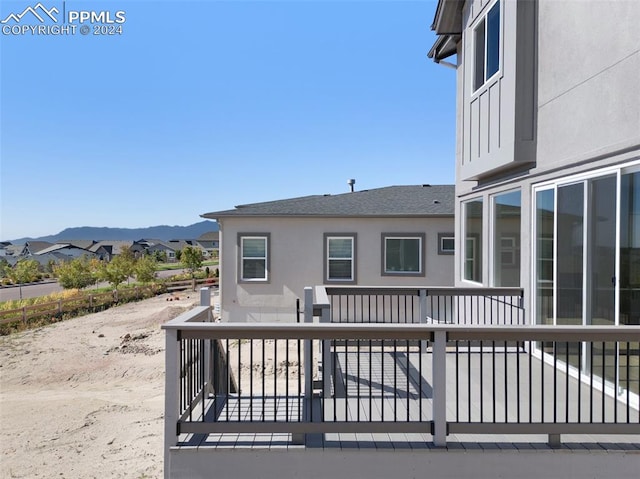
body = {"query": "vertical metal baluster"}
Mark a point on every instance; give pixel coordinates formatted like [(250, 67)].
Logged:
[(408, 373), (370, 380), (457, 381), (275, 379), (264, 398), (604, 368), (580, 382), (591, 384), (615, 383), (469, 377), (346, 379), (481, 383), (228, 377), (493, 377), (506, 416), (395, 380), (251, 379), (239, 378), (286, 384), (382, 379), (555, 382), (300, 418), (566, 386), (358, 376)]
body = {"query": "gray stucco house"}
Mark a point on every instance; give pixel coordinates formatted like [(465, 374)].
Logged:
[(398, 235), (548, 159)]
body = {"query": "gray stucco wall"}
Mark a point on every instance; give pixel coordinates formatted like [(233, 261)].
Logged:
[(587, 111), (297, 260)]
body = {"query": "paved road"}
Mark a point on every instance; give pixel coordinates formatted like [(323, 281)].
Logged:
[(43, 289)]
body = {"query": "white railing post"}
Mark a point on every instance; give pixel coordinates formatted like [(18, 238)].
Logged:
[(423, 316), (440, 388), (171, 396)]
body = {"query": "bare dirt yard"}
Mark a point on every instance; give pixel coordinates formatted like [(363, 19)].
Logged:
[(84, 398)]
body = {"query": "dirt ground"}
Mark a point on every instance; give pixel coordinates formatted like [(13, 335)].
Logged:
[(84, 398)]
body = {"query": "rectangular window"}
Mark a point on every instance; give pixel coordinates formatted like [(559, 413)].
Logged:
[(254, 250), (486, 36), (340, 258), (403, 254), (506, 236), (446, 243), (473, 240)]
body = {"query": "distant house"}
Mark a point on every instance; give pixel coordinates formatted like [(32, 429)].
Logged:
[(398, 235), (106, 250), (66, 251), (210, 241), (180, 244)]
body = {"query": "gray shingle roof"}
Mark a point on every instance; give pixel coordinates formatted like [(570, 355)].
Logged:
[(415, 200)]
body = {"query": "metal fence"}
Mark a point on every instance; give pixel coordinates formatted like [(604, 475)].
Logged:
[(321, 377), (425, 305)]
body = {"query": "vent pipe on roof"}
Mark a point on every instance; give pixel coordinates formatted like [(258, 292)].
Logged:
[(351, 182)]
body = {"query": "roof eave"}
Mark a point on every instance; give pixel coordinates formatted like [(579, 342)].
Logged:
[(448, 17)]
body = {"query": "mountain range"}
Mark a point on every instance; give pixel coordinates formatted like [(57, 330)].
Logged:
[(162, 232)]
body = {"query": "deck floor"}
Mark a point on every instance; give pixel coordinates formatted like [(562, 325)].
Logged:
[(395, 385)]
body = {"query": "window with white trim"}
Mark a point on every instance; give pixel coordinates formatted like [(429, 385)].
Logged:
[(340, 258), (254, 255), (486, 39), (446, 243), (506, 220), (403, 254), (473, 240)]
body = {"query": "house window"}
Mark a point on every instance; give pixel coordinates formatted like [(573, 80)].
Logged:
[(340, 258), (446, 243), (254, 254), (486, 37), (473, 240), (506, 239), (403, 254)]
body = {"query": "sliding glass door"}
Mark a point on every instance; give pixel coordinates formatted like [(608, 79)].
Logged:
[(587, 267)]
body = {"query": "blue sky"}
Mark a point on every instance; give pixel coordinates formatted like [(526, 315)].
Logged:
[(200, 106)]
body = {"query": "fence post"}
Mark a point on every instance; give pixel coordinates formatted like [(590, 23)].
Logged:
[(24, 314), (327, 357), (171, 396), (308, 367), (205, 300), (423, 316), (60, 307), (439, 359), (193, 284)]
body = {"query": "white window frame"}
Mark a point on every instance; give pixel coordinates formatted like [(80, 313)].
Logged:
[(481, 22), (241, 258), (328, 259), (513, 249), (474, 259), (406, 236), (446, 236)]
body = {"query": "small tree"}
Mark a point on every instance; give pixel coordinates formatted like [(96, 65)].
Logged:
[(75, 274), (5, 267), (116, 271), (191, 258), (145, 269), (24, 271)]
